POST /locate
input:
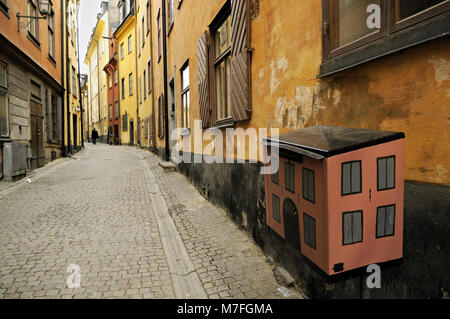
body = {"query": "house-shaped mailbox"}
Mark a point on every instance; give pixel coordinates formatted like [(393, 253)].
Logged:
[(338, 195)]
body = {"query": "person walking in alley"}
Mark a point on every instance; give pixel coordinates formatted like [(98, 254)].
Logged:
[(94, 136)]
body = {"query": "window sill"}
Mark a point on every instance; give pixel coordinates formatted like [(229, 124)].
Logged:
[(225, 123), (50, 58), (36, 43), (5, 139), (388, 45), (5, 10), (170, 29)]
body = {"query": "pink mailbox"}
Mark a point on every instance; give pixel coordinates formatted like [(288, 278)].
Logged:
[(338, 195)]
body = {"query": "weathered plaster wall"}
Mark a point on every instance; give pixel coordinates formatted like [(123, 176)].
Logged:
[(408, 91)]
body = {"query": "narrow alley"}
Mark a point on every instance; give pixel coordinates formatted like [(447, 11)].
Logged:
[(96, 210)]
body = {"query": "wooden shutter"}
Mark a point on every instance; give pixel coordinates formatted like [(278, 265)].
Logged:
[(59, 113), (203, 79), (240, 61)]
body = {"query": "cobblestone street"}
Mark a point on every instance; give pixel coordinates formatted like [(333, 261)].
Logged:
[(97, 210)]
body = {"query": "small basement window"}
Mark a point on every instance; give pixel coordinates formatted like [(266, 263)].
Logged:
[(352, 227), (385, 221)]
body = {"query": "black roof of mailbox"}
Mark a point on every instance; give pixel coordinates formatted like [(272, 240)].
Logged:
[(326, 141)]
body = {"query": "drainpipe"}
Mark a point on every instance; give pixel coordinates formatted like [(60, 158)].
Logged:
[(138, 84), (166, 108), (69, 144), (79, 82), (63, 102)]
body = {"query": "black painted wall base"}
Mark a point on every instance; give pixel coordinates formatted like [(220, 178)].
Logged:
[(423, 272)]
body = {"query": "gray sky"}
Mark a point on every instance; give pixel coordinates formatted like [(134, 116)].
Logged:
[(87, 20)]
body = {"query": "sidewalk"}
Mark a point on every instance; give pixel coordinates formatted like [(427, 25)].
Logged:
[(229, 264)]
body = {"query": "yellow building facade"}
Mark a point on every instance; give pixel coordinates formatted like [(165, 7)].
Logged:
[(145, 100), (72, 113), (125, 36), (97, 57)]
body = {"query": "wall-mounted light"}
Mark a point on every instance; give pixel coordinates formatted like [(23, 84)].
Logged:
[(44, 9)]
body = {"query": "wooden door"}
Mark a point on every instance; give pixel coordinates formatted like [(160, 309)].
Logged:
[(37, 141)]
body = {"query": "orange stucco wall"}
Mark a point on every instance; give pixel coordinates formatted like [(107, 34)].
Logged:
[(408, 91), (21, 40)]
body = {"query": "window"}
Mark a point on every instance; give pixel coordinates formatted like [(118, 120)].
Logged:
[(149, 66), (352, 227), (122, 55), (170, 14), (145, 84), (116, 77), (33, 26), (110, 80), (4, 6), (148, 17), (35, 90), (309, 230), (349, 25), (51, 36), (140, 89), (185, 97), (276, 208), (54, 111), (125, 122), (161, 127), (351, 178), (116, 110), (275, 178), (289, 177), (130, 84), (143, 32), (158, 19), (139, 43), (110, 112), (386, 173), (130, 44), (74, 82), (308, 185), (4, 123), (222, 67), (385, 221), (123, 88)]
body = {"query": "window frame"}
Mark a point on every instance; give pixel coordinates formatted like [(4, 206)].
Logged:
[(4, 92), (287, 163), (33, 36), (215, 61), (74, 82), (426, 25), (419, 17), (185, 92), (308, 171), (149, 71), (362, 227), (148, 17), (130, 84), (4, 7), (277, 180), (330, 53), (123, 89), (360, 178), (158, 19), (376, 223), (279, 208), (170, 14), (130, 44), (385, 158), (122, 51), (51, 34)]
